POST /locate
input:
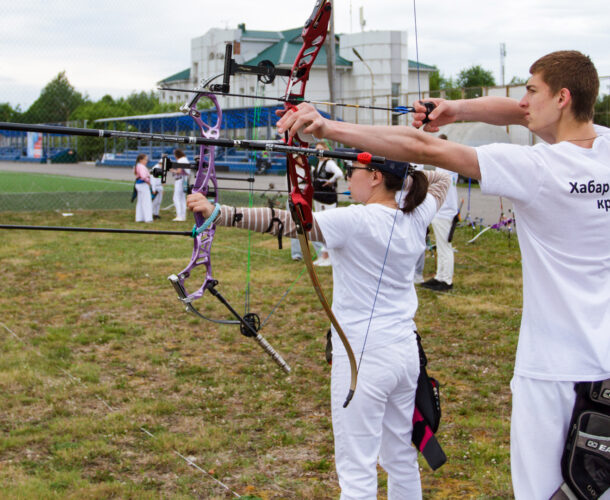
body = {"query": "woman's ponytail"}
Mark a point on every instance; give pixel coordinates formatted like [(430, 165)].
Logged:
[(417, 192)]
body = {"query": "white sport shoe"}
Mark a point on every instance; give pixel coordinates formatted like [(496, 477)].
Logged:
[(322, 262), (178, 219)]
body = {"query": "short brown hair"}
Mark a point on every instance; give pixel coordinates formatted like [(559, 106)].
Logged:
[(574, 71)]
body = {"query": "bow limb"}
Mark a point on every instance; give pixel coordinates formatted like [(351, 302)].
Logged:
[(298, 170), (307, 258)]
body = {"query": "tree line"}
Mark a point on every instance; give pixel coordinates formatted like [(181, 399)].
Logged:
[(60, 102)]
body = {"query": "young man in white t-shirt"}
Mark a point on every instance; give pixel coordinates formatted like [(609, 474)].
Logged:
[(561, 199)]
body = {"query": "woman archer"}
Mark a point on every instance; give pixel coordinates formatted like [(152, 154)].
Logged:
[(377, 424)]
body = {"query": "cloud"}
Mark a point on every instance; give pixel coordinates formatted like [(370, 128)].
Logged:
[(131, 44)]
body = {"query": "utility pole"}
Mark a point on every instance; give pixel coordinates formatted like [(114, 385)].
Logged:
[(357, 54), (331, 61), (502, 56)]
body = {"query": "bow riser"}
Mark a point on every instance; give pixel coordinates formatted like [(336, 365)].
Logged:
[(313, 34), (206, 174)]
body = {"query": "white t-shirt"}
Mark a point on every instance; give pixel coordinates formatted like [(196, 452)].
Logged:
[(561, 199), (357, 239), (450, 207)]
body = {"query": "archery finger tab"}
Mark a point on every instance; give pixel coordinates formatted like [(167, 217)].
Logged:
[(429, 108)]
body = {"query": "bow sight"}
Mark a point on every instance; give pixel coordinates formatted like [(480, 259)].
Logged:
[(265, 72)]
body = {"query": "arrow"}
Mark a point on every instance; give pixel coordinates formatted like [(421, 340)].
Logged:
[(399, 110)]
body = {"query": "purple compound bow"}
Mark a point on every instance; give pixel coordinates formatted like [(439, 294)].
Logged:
[(203, 235)]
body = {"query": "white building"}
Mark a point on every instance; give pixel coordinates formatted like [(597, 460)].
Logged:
[(382, 75)]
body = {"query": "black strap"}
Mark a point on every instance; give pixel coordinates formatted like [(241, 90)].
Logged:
[(280, 225), (236, 217)]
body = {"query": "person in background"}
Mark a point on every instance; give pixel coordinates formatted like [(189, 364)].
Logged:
[(156, 186), (181, 177), (325, 176), (144, 211), (442, 225), (295, 246)]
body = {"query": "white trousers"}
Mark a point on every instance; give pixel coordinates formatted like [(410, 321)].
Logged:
[(540, 421), (377, 425), (179, 199), (156, 203), (144, 203), (444, 250)]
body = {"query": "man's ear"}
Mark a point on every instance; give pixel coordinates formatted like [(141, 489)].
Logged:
[(565, 98)]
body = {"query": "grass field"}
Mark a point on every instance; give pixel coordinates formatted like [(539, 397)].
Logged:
[(13, 182), (110, 390), (24, 192)]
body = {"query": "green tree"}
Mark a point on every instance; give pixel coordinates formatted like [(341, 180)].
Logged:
[(56, 102), (473, 79), (516, 80), (147, 103), (137, 103), (8, 114), (443, 87), (91, 148)]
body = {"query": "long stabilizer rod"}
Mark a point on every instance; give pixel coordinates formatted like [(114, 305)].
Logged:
[(183, 139)]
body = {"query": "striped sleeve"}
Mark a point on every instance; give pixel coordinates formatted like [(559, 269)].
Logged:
[(264, 220)]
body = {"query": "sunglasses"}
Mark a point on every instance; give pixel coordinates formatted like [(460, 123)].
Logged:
[(350, 170)]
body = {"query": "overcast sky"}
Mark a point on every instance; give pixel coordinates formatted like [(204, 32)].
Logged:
[(118, 46)]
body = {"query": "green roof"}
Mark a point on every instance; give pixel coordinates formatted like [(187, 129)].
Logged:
[(285, 51), (185, 74), (422, 66), (272, 35)]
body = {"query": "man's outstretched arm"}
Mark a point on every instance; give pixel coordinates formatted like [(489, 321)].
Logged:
[(394, 142), (489, 109)]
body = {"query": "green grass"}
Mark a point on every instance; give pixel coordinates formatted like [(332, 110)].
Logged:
[(95, 349), (11, 182), (25, 192)]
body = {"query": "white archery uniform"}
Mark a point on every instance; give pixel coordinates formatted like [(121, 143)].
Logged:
[(144, 200), (378, 421), (156, 186), (144, 203), (441, 225), (179, 197), (565, 325)]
